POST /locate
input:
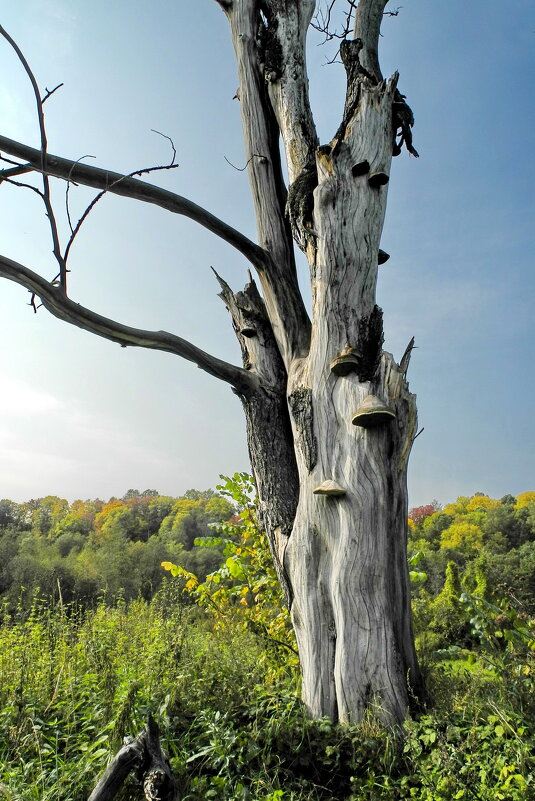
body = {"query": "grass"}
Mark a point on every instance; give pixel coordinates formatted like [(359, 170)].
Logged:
[(74, 683)]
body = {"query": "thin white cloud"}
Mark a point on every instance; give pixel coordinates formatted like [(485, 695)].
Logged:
[(56, 21), (21, 400), (17, 117)]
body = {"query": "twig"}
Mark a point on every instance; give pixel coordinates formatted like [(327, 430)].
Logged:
[(101, 194), (19, 169), (174, 163), (16, 163), (67, 209), (322, 22), (74, 231), (147, 193), (50, 92), (32, 302), (242, 169)]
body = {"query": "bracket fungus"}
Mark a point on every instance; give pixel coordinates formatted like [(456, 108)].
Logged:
[(361, 168), (329, 487), (382, 256), (347, 361), (372, 412), (248, 332), (378, 179)]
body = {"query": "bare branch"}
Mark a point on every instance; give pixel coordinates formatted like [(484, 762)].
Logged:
[(173, 163), (33, 304), (145, 755), (122, 185), (50, 92), (76, 229), (367, 28), (58, 304), (15, 163), (20, 169), (242, 169), (56, 248), (322, 23), (67, 190)]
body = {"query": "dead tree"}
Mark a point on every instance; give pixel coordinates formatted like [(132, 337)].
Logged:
[(330, 419)]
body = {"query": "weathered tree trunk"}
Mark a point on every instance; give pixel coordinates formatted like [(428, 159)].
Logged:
[(330, 420), (343, 561)]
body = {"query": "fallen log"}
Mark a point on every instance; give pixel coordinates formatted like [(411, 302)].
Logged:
[(143, 754)]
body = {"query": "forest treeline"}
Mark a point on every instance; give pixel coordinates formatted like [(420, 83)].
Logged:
[(482, 546), (90, 549), (93, 549)]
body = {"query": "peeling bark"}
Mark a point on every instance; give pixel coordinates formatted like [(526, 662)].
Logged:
[(284, 31)]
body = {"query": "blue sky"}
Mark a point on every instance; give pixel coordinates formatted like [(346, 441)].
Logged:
[(82, 417)]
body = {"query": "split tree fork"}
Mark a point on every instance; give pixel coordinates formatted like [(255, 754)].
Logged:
[(330, 419)]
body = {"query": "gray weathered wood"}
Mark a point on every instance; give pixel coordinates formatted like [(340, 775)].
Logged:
[(345, 557), (144, 755), (340, 552)]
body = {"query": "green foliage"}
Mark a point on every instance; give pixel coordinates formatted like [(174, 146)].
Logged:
[(74, 684), (190, 519), (416, 576), (434, 525), (513, 574), (492, 543), (89, 548), (244, 590), (448, 619), (209, 653)]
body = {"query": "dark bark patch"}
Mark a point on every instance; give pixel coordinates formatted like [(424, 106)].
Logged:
[(300, 203), (370, 343), (271, 452), (269, 46), (300, 403)]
